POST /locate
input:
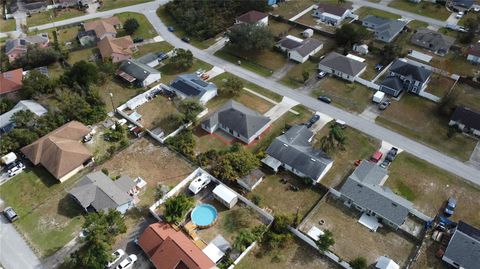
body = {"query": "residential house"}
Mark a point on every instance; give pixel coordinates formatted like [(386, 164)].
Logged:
[(342, 66), (432, 40), (16, 48), (253, 16), (61, 151), (67, 3), (97, 192), (413, 78), (460, 5), (331, 14), (168, 248), (87, 38), (135, 71), (239, 121), (6, 123), (293, 151), (11, 81), (117, 49), (364, 191), (192, 86), (463, 250), (473, 54), (104, 27), (384, 29), (34, 6), (466, 120), (150, 59), (299, 50)]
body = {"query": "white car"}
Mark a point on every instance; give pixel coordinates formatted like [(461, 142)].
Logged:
[(128, 262), (459, 15), (117, 255)]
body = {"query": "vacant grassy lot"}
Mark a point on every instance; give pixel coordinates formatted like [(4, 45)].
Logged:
[(52, 16), (349, 234), (156, 112), (436, 11), (88, 55), (439, 85), (414, 24), (246, 98), (467, 96), (49, 218), (163, 46), (428, 187), (120, 90), (291, 8), (145, 30), (7, 25), (68, 34), (358, 146), (281, 199), (169, 73), (371, 60), (263, 63), (350, 96), (456, 63), (417, 118), (364, 11), (294, 77), (112, 4), (427, 258), (179, 32), (296, 255)]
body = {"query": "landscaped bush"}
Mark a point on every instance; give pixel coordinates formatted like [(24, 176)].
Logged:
[(176, 207)]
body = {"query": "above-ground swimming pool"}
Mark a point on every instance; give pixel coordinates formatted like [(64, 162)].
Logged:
[(204, 215)]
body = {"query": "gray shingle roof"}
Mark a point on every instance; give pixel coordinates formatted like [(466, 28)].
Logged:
[(289, 43), (31, 105), (409, 70), (375, 20), (147, 58), (239, 118), (467, 116), (432, 40), (393, 82), (136, 69), (362, 188), (307, 46), (464, 246), (389, 29), (343, 64), (294, 149), (101, 192)]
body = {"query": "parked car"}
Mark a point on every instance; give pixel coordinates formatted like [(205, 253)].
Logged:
[(16, 170), (376, 157), (325, 99), (138, 40), (186, 39), (392, 153), (462, 29), (341, 124), (321, 74), (10, 214), (450, 206), (128, 262), (384, 104), (16, 163), (170, 29), (312, 120), (459, 15), (162, 56), (385, 164), (116, 256)]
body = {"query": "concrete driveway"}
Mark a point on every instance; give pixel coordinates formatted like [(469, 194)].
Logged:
[(281, 108), (14, 251)]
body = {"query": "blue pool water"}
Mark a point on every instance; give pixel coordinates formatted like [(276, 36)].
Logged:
[(204, 215)]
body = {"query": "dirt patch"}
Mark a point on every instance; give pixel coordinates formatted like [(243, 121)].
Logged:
[(154, 163)]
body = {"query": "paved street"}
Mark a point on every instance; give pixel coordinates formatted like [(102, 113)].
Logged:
[(14, 252)]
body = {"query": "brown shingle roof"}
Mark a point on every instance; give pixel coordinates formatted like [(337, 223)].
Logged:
[(11, 81), (60, 151), (252, 16), (167, 248), (120, 45), (475, 50), (103, 26)]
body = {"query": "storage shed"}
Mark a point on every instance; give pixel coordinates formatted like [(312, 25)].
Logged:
[(225, 196)]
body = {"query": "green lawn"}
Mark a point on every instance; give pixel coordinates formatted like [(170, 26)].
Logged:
[(428, 187), (424, 8), (350, 96), (294, 77), (49, 218), (245, 64), (417, 24), (7, 25), (53, 15), (467, 96), (120, 90), (406, 115), (112, 4), (168, 73), (145, 30), (83, 54), (163, 46), (364, 11), (179, 32)]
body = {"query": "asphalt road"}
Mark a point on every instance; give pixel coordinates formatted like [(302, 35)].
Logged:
[(14, 252)]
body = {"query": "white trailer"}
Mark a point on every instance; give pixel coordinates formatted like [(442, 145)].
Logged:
[(9, 158), (378, 97)]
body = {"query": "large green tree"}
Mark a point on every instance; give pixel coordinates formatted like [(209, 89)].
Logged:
[(181, 60), (335, 139), (130, 26), (36, 57), (190, 109), (36, 83), (176, 207), (232, 86), (233, 165), (251, 37), (325, 241), (183, 142), (82, 73), (349, 34), (358, 263)]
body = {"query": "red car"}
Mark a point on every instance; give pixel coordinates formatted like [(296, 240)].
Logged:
[(376, 157)]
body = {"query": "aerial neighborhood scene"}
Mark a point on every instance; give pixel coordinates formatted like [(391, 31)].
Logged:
[(179, 134)]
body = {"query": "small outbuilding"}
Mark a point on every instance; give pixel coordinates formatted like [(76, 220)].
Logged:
[(307, 33), (384, 262), (252, 180), (225, 196)]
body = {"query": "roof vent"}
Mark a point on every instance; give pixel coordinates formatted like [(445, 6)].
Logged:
[(394, 204)]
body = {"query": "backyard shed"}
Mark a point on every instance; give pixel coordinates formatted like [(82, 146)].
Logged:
[(9, 158), (307, 33), (225, 196), (252, 180), (384, 262), (213, 252)]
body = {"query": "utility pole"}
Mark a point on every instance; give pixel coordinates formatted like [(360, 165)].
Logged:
[(111, 99)]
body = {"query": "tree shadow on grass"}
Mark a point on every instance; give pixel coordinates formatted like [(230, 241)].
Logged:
[(68, 207)]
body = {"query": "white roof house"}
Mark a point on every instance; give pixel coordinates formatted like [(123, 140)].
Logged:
[(225, 195), (386, 263)]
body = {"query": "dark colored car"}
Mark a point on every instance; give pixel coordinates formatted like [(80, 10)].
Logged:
[(392, 153), (162, 56), (385, 164), (138, 40), (325, 99), (312, 120), (384, 104), (186, 39), (450, 207), (10, 214), (170, 29)]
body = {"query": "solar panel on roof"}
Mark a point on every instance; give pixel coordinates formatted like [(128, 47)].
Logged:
[(23, 42), (185, 88), (200, 82)]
